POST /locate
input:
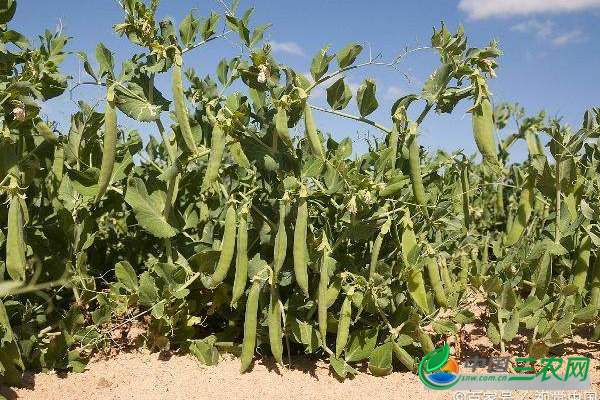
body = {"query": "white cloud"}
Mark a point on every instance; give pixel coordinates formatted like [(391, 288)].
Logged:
[(541, 29), (574, 36), (291, 48), (482, 9), (394, 93)]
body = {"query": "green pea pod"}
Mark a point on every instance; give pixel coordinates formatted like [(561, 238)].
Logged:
[(343, 328), (403, 356), (322, 300), (274, 321), (181, 110), (300, 250), (393, 189), (500, 199), (45, 132), (416, 289), (16, 262), (464, 183), (582, 262), (280, 241), (543, 275), (393, 144), (436, 282), (595, 289), (58, 166), (409, 246), (311, 133), (109, 149), (483, 131), (217, 149), (425, 340), (375, 254), (281, 125), (250, 322), (463, 275), (333, 290), (227, 248), (414, 163), (520, 221), (446, 277), (239, 156), (241, 258)]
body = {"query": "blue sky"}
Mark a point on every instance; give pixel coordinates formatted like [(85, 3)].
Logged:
[(551, 52)]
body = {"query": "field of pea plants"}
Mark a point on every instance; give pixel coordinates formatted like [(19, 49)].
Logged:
[(239, 227)]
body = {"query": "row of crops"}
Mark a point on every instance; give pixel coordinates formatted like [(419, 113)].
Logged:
[(241, 227)]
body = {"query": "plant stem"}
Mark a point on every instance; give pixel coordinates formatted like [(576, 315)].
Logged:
[(354, 117)]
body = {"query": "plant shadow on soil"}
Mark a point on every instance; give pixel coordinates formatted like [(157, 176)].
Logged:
[(473, 342)]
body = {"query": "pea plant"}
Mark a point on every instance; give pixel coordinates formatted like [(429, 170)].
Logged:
[(241, 227)]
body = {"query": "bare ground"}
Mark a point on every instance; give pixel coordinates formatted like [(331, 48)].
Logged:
[(141, 375)]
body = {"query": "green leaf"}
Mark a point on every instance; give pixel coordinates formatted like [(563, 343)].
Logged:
[(348, 54), (257, 35), (361, 344), (341, 367), (380, 360), (210, 25), (365, 97), (437, 359), (85, 182), (148, 290), (436, 83), (312, 167), (320, 63), (148, 210), (511, 328), (76, 361), (443, 327), (339, 94), (493, 333), (106, 60), (101, 315), (306, 334), (188, 30), (126, 275), (133, 100), (205, 350), (7, 10)]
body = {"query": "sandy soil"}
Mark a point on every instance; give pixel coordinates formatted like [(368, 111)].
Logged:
[(140, 375)]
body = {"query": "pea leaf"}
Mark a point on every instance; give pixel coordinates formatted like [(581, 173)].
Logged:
[(188, 30), (339, 94), (205, 350), (361, 344), (348, 54), (148, 210), (126, 275), (133, 99), (148, 290), (320, 63), (365, 97), (106, 60), (341, 367), (380, 360), (436, 83)]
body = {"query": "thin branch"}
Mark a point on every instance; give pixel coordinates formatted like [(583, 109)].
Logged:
[(354, 117), (196, 45)]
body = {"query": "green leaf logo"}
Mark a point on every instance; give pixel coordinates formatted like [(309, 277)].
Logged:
[(437, 358)]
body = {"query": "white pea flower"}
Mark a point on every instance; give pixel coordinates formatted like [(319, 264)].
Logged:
[(19, 113), (352, 209), (263, 73)]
